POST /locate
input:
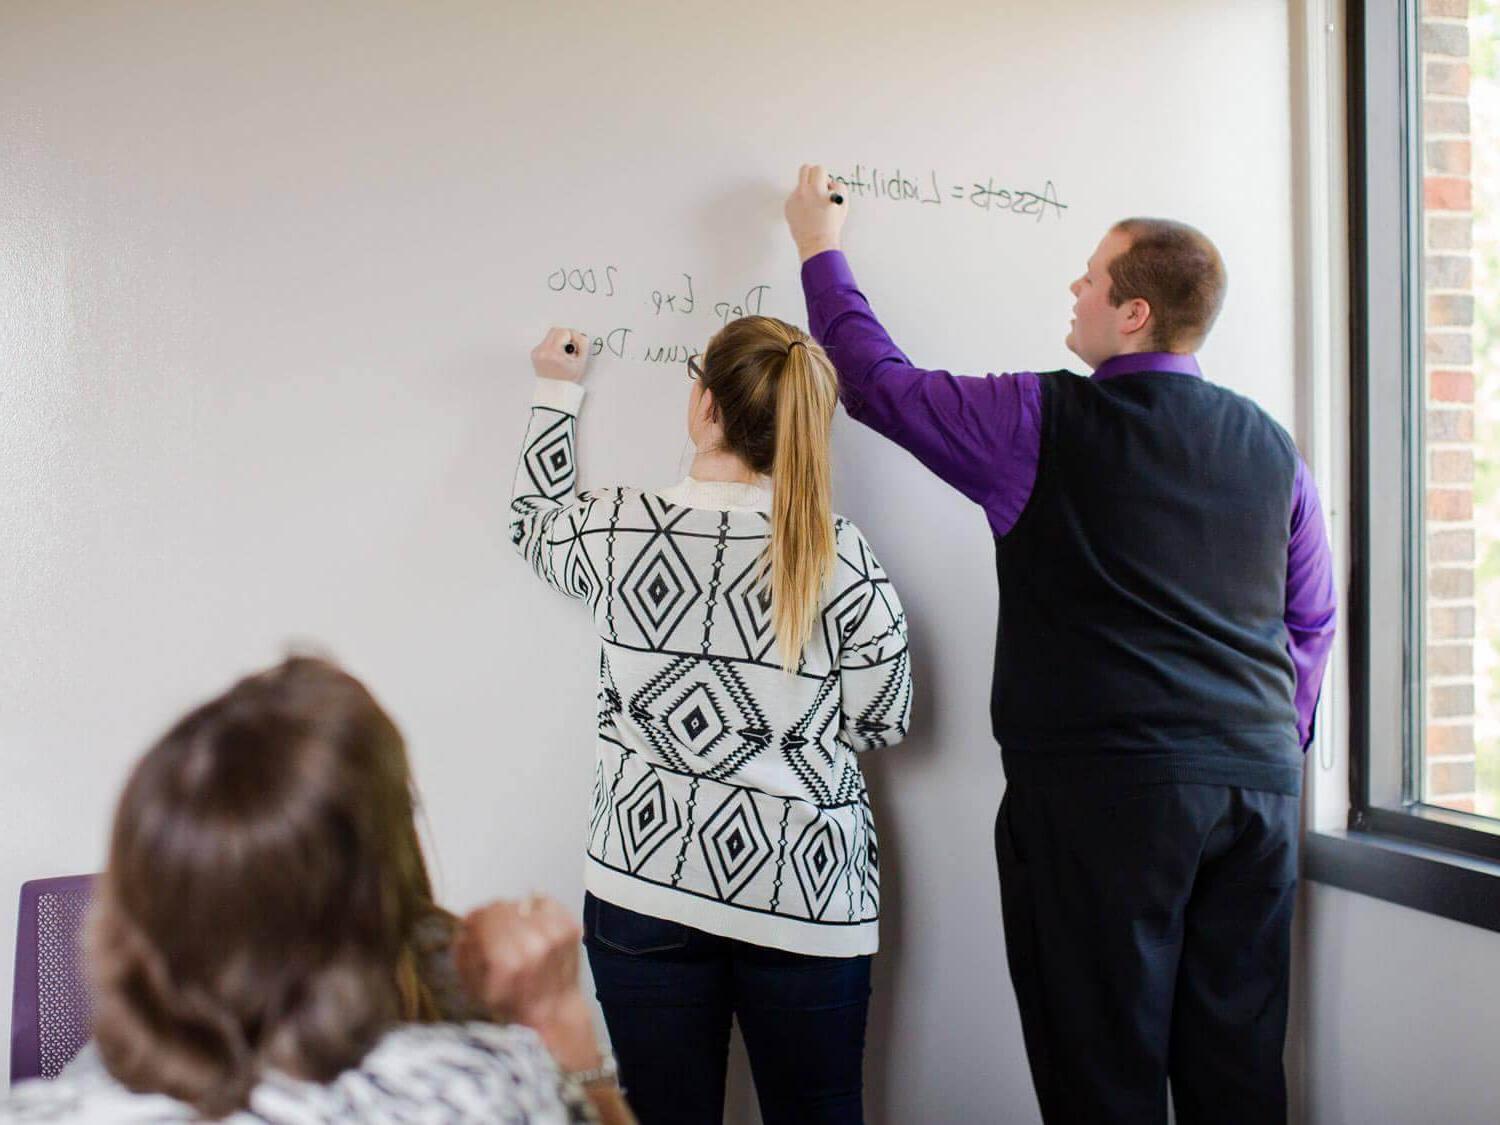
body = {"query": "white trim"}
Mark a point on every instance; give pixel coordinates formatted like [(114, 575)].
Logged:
[(1323, 362), (775, 931), (718, 495), (558, 394)]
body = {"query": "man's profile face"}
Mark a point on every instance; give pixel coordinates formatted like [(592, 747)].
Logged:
[(1095, 332)]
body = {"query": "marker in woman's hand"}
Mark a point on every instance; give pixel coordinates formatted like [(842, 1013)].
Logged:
[(570, 348), (836, 197)]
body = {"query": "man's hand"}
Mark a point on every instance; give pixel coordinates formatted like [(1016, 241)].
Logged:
[(520, 960), (812, 216), (551, 359)]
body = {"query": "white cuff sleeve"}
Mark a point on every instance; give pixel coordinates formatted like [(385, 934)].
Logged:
[(558, 394)]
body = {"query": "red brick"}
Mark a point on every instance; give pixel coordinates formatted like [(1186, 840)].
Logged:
[(1445, 118), (1450, 582), (1450, 425), (1449, 739), (1450, 777), (1450, 271), (1450, 78), (1450, 310), (1450, 505), (1451, 9), (1448, 193), (1451, 386), (1450, 660), (1445, 39), (1450, 622), (1450, 701), (1450, 158), (1452, 466), (1450, 347), (1450, 232), (1450, 546)]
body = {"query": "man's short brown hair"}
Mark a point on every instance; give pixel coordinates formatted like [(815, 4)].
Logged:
[(1176, 270)]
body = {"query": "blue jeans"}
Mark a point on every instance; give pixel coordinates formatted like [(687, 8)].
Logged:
[(669, 993)]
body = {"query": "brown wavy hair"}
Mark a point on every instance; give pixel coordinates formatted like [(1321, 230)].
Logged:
[(776, 390), (264, 891)]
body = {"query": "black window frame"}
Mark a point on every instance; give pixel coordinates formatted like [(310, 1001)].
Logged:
[(1394, 847)]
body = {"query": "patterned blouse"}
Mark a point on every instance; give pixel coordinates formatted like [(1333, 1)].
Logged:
[(448, 1073), (727, 792)]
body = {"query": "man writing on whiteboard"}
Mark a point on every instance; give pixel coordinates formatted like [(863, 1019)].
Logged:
[(1166, 613)]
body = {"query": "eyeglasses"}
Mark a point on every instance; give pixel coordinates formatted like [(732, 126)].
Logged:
[(695, 369)]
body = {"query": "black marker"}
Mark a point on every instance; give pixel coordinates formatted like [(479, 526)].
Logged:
[(569, 348), (836, 197)]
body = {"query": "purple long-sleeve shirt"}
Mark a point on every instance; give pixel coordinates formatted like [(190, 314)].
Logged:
[(983, 435)]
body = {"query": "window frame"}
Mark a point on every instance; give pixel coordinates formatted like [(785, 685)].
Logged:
[(1395, 847)]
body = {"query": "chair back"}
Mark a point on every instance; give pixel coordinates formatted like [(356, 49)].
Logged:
[(49, 1018)]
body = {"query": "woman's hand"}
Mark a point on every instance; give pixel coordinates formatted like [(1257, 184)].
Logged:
[(552, 360), (815, 220), (520, 960)]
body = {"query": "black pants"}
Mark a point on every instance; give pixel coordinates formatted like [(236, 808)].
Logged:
[(1148, 931), (670, 991)]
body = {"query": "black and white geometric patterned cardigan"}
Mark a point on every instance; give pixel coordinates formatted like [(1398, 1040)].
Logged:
[(727, 793)]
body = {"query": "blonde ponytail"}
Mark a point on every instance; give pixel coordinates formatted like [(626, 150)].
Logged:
[(801, 551), (775, 391)]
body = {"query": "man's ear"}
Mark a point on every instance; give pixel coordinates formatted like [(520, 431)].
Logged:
[(1137, 315)]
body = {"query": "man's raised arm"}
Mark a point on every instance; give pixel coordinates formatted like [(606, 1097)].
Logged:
[(980, 434)]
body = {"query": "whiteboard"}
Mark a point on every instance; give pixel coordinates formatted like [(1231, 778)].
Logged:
[(270, 277)]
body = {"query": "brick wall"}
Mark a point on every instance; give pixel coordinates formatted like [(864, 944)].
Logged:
[(1449, 272)]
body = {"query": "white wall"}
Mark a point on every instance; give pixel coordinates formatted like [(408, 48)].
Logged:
[(268, 274), (1403, 1015)]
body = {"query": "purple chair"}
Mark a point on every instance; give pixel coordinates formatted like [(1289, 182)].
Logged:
[(49, 1019)]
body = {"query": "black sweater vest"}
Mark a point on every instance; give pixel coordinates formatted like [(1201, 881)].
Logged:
[(1143, 590)]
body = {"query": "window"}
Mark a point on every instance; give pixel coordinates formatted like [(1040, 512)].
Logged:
[(1424, 618), (1460, 438)]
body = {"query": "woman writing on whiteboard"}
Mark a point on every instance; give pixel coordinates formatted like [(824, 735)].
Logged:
[(751, 647)]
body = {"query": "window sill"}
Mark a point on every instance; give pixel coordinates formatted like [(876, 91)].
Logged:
[(1421, 876)]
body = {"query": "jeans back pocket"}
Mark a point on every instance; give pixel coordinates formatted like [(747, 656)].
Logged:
[(627, 931)]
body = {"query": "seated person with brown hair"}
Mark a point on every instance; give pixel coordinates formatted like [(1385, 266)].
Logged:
[(264, 945)]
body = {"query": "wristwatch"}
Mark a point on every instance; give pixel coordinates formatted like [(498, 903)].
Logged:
[(607, 1071)]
